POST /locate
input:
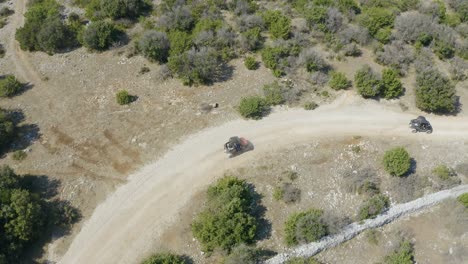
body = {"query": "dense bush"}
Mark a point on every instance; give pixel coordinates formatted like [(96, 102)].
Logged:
[(435, 93), (123, 8), (412, 25), (305, 227), (252, 107), (367, 82), (403, 255), (250, 63), (397, 161), (391, 84), (251, 39), (310, 106), (179, 18), (376, 18), (458, 69), (123, 97), (444, 50), (194, 66), (339, 81), (7, 128), (228, 220), (298, 260), (164, 258), (243, 254), (180, 42), (351, 49), (312, 60), (154, 46), (278, 24), (461, 7), (9, 86), (334, 21), (275, 58), (376, 205), (44, 29), (99, 35), (354, 33), (247, 22), (273, 93), (396, 55), (463, 199)]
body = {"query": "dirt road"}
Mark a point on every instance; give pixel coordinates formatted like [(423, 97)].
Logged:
[(123, 228)]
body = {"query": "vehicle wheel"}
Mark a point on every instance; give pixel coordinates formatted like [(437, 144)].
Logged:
[(429, 132), (414, 131)]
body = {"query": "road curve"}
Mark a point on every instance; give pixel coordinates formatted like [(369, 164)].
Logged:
[(123, 228)]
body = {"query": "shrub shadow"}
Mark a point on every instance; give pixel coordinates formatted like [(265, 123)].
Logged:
[(25, 134), (264, 225)]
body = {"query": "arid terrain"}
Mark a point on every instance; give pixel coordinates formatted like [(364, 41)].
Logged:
[(138, 173)]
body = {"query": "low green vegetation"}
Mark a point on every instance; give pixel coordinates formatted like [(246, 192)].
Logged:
[(250, 63), (273, 93), (228, 219), (403, 255), (310, 105), (391, 84), (376, 205), (243, 254), (305, 227), (367, 82), (338, 81), (376, 18), (9, 86), (443, 172), (463, 199), (123, 97), (252, 107), (278, 24), (154, 45), (19, 155), (165, 258), (397, 161)]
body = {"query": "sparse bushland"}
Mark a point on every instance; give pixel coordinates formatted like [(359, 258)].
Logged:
[(367, 82), (312, 61), (310, 106), (26, 215), (243, 254), (276, 57), (391, 84), (179, 41), (273, 93), (228, 219), (165, 258), (435, 92), (443, 172), (403, 255), (45, 30), (9, 86), (251, 39), (253, 107), (397, 161), (154, 46), (287, 193), (376, 18), (99, 35), (339, 81), (396, 55), (305, 227), (376, 205), (463, 199)]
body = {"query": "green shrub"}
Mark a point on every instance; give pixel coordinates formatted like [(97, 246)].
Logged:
[(207, 24), (164, 258), (278, 193), (278, 24), (252, 107), (274, 58), (251, 39), (250, 63), (305, 227), (180, 42), (243, 254), (273, 93), (444, 50), (443, 172), (316, 17), (123, 97), (434, 92), (403, 255), (228, 219), (383, 35), (99, 35), (425, 39), (9, 86), (338, 81), (298, 260), (121, 8), (397, 161), (367, 82), (19, 155), (391, 84), (463, 199), (376, 205), (310, 105), (376, 18), (154, 46)]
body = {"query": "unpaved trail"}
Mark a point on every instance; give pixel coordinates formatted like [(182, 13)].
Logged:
[(355, 229), (124, 227), (22, 65)]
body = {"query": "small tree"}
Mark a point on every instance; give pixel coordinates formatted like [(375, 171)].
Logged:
[(397, 161), (338, 81), (164, 258), (305, 227), (154, 46), (252, 107), (278, 24), (9, 86), (123, 97), (376, 205), (391, 84), (435, 92), (367, 82), (99, 35)]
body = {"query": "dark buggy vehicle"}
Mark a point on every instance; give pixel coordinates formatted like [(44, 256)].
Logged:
[(420, 124), (236, 146)]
